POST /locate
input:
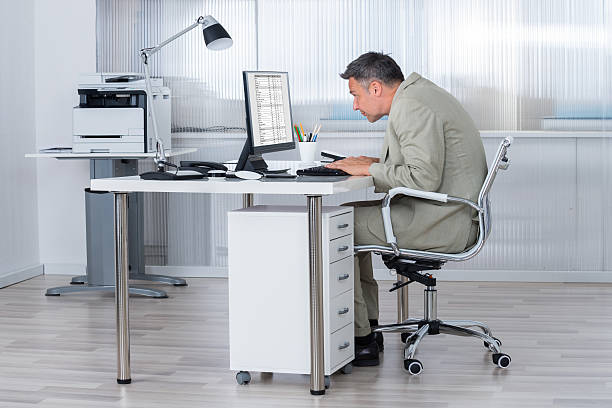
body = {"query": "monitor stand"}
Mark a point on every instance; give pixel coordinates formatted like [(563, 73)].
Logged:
[(251, 162)]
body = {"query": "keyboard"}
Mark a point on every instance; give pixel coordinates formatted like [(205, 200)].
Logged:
[(321, 171)]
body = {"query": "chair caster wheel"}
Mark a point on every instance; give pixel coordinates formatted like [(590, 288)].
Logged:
[(243, 377), (501, 360), (404, 337), (347, 369), (327, 381), (414, 367), (498, 341)]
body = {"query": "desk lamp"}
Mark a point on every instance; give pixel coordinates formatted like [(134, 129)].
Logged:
[(215, 37)]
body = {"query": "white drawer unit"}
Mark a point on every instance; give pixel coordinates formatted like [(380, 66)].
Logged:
[(269, 289)]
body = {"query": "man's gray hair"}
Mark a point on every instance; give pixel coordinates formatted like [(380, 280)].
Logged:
[(374, 66)]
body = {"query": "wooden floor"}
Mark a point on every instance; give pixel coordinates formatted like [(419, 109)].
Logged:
[(60, 351)]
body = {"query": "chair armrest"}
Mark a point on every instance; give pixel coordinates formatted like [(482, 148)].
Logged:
[(427, 195)]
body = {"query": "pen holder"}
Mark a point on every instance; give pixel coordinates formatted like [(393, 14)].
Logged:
[(307, 151)]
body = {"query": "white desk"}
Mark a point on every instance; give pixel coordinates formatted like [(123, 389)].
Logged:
[(313, 190), (80, 156)]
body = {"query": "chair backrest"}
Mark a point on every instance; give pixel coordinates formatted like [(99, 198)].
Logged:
[(500, 162)]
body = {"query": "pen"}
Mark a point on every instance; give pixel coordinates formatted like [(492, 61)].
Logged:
[(297, 132), (314, 139)]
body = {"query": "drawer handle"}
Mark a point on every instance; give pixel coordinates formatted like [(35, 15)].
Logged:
[(343, 277), (343, 311), (343, 346), (342, 226), (343, 248)]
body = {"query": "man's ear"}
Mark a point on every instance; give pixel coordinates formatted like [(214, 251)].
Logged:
[(375, 88)]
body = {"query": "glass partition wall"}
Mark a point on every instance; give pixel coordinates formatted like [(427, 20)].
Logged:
[(539, 70)]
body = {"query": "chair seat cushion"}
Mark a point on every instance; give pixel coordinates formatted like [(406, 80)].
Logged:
[(408, 264)]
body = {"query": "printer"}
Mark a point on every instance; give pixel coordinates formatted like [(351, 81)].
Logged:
[(113, 117)]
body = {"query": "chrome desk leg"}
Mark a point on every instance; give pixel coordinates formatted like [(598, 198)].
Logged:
[(121, 289), (317, 368), (247, 200), (402, 300)]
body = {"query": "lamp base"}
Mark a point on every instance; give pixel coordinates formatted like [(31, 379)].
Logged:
[(164, 175)]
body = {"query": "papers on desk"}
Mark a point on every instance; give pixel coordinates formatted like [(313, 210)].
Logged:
[(56, 150)]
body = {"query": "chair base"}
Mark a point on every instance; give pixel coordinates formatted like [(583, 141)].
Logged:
[(413, 331)]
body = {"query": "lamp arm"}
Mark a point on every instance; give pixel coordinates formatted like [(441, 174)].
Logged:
[(160, 155), (145, 53)]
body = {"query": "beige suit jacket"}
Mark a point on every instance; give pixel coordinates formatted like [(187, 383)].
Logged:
[(431, 144)]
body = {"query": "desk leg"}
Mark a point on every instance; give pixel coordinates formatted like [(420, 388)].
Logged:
[(121, 289), (247, 200), (402, 300), (317, 368)]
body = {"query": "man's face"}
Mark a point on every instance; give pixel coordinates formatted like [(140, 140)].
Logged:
[(367, 101)]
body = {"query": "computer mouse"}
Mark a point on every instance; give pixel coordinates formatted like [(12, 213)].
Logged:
[(248, 175)]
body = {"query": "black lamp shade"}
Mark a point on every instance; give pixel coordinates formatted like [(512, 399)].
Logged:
[(216, 38)]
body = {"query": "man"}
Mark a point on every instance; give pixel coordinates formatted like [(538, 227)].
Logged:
[(430, 144)]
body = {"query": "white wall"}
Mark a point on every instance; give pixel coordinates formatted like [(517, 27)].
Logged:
[(18, 216), (65, 46)]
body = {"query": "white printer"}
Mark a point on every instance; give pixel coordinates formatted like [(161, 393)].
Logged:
[(112, 115)]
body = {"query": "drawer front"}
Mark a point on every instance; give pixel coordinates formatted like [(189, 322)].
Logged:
[(340, 248), (340, 311), (340, 225), (341, 344), (341, 276)]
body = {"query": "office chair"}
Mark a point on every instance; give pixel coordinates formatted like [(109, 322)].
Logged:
[(412, 264)]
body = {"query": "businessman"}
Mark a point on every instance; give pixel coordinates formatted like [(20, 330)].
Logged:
[(430, 144)]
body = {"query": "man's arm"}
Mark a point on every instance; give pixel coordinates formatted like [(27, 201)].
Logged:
[(421, 137)]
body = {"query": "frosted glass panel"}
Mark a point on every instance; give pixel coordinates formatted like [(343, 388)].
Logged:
[(514, 64), (206, 85), (315, 40)]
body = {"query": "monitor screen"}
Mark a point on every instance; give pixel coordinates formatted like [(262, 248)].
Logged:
[(268, 111)]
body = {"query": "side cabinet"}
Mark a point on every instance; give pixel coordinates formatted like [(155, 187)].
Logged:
[(269, 289)]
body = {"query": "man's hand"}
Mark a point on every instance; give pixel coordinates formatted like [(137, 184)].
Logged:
[(356, 166)]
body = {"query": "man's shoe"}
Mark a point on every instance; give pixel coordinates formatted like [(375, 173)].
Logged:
[(378, 336), (366, 355), (379, 341)]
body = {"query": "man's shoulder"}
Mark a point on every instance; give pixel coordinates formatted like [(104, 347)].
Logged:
[(407, 102)]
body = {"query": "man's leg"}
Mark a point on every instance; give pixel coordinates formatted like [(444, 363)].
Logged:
[(366, 288), (362, 295), (366, 348), (369, 286)]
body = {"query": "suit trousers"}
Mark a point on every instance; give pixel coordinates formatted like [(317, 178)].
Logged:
[(366, 287)]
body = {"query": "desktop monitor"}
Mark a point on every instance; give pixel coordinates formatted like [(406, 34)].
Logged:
[(268, 117)]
